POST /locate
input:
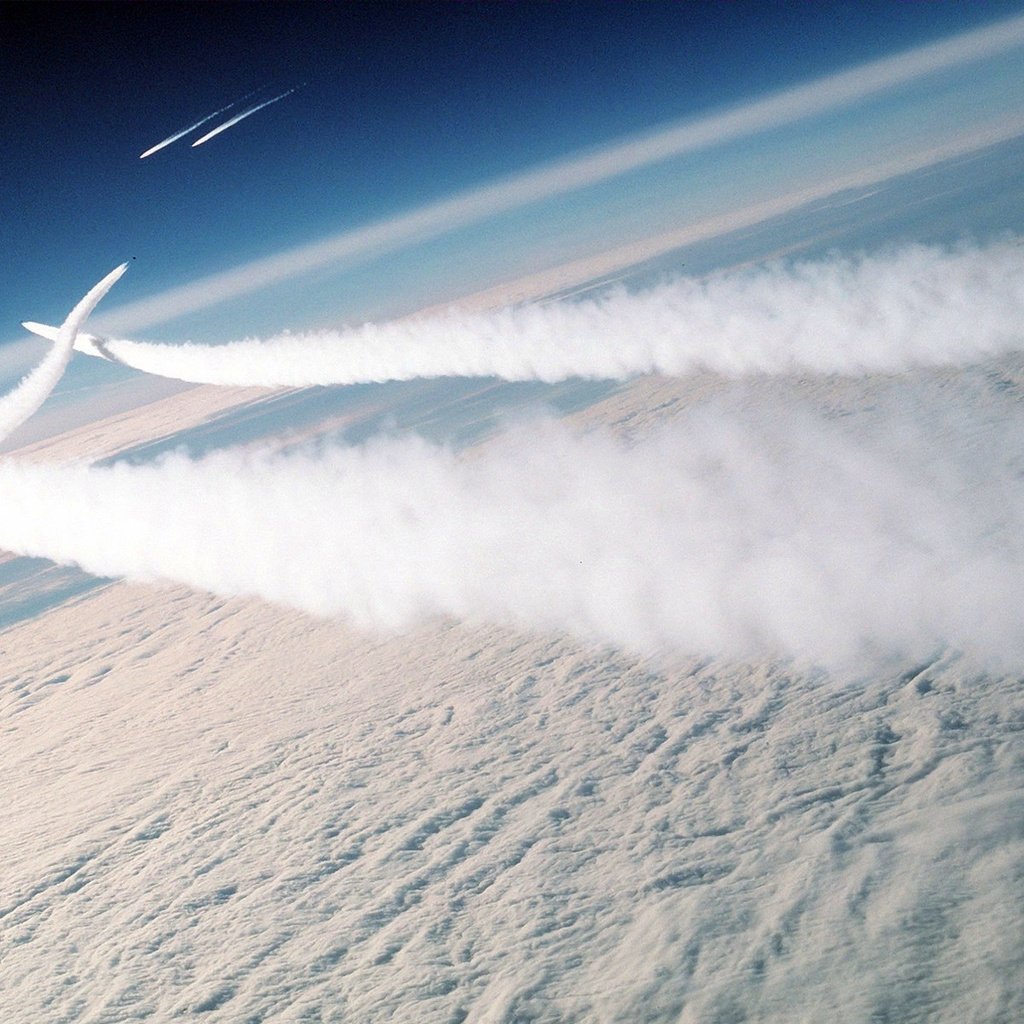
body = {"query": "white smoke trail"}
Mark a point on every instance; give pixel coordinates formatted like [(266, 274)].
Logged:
[(919, 306), (733, 532), (33, 390), (185, 131), (239, 117)]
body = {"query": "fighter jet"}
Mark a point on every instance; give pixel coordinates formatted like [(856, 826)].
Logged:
[(90, 344)]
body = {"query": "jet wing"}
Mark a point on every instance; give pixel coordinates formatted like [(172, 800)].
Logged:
[(90, 344)]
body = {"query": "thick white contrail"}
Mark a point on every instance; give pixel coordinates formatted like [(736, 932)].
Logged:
[(29, 395), (742, 529), (919, 306), (239, 117)]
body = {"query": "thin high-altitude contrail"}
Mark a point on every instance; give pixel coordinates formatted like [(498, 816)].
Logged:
[(193, 127), (240, 117), (184, 131), (920, 306), (29, 395)]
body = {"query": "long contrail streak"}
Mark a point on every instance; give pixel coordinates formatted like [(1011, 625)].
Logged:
[(199, 123), (921, 306), (239, 117), (29, 395)]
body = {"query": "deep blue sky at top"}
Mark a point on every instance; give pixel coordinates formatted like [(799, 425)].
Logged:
[(401, 103)]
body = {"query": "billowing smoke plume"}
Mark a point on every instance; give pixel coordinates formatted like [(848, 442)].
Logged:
[(919, 306), (743, 529), (34, 389), (738, 530)]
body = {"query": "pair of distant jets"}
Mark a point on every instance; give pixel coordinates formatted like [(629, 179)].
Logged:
[(92, 345), (249, 111)]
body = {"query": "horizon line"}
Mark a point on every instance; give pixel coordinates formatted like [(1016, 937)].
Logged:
[(576, 171)]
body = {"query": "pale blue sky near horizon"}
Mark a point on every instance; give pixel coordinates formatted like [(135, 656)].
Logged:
[(880, 129)]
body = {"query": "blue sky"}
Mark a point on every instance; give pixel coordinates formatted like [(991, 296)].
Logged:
[(400, 105)]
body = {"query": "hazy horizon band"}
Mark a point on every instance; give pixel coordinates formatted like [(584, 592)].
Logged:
[(575, 172)]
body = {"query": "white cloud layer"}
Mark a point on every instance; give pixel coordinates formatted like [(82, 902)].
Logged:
[(737, 531)]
